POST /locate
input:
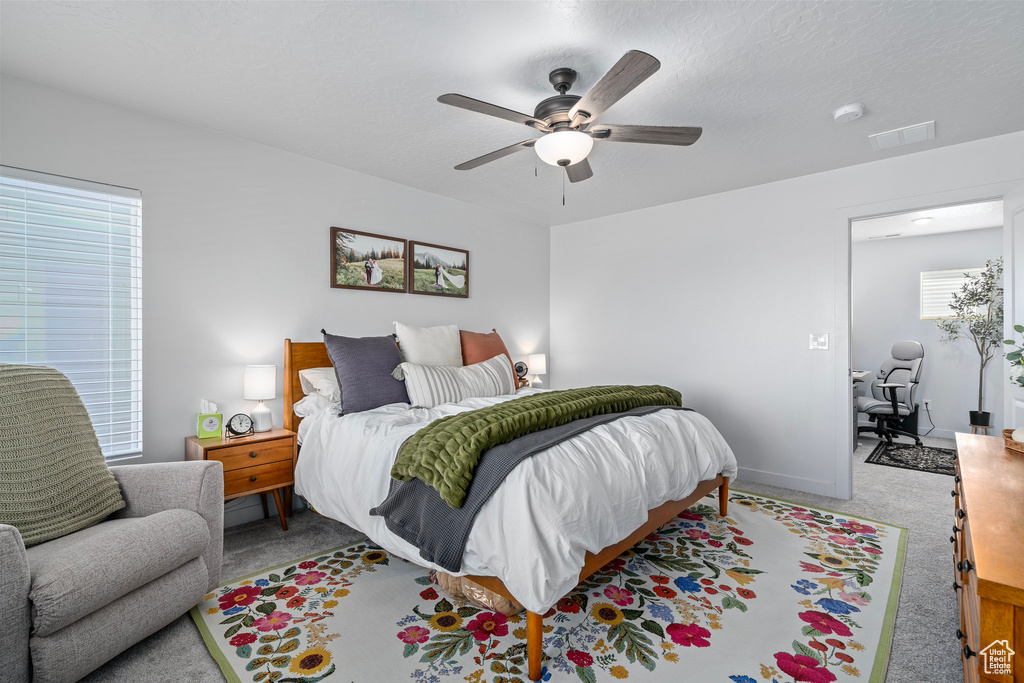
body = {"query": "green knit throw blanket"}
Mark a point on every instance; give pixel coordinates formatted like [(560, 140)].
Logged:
[(444, 453), (53, 479)]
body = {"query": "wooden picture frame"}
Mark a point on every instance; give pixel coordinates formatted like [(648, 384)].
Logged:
[(425, 259), (353, 250)]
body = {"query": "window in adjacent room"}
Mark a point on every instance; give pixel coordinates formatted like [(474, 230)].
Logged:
[(70, 293), (937, 288)]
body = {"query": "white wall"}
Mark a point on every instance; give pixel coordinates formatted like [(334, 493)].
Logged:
[(235, 250), (886, 301), (717, 296)]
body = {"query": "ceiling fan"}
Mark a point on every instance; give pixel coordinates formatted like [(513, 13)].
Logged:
[(567, 121)]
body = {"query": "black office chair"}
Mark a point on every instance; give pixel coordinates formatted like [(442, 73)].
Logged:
[(893, 392)]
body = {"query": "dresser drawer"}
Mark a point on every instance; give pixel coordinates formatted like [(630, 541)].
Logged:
[(240, 481), (252, 454)]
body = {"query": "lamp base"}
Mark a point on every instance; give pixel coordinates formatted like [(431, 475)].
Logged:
[(262, 418), (535, 382)]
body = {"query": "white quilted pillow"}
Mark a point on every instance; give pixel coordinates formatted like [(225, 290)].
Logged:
[(323, 381), (430, 345), (431, 385)]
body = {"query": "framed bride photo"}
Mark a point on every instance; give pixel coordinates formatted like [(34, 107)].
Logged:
[(361, 260), (438, 271)]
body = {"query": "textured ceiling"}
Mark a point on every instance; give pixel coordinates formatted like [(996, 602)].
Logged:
[(955, 218), (355, 83)]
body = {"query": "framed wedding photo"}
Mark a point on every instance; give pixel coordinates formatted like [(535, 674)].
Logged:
[(437, 270), (362, 260)]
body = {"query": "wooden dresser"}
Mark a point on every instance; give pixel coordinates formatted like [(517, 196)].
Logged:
[(261, 463), (988, 554)]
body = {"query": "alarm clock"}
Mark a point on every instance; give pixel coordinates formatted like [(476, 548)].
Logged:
[(208, 425), (239, 425), (521, 370)]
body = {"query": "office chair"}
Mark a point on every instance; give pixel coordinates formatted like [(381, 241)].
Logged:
[(893, 391)]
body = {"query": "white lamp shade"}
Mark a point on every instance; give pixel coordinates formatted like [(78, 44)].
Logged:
[(538, 363), (564, 144), (260, 382)]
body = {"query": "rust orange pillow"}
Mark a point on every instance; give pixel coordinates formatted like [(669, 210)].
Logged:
[(478, 347)]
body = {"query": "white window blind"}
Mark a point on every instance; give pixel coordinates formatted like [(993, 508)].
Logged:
[(937, 287), (70, 293)]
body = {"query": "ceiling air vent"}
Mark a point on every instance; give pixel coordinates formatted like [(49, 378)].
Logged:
[(903, 136)]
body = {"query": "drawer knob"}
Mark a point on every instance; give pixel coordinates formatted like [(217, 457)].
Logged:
[(960, 635), (957, 478), (253, 454), (956, 586), (968, 652), (965, 566), (961, 514), (953, 493), (956, 529), (252, 478), (952, 539)]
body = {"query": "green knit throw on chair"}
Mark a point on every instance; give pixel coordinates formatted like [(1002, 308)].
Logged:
[(53, 479)]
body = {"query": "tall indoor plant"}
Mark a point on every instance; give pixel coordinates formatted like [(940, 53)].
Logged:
[(978, 315)]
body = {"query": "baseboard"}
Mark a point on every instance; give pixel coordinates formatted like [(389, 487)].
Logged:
[(821, 488)]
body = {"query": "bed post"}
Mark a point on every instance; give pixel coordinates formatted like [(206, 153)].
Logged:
[(723, 497), (534, 643)]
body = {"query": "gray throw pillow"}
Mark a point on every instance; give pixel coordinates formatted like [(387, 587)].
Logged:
[(364, 366), (53, 479)]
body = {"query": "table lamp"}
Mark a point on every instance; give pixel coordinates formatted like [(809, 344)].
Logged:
[(538, 363), (260, 385)]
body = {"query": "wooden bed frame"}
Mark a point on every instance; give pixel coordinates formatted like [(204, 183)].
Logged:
[(302, 355)]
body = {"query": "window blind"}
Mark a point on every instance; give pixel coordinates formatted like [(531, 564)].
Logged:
[(937, 288), (70, 293)]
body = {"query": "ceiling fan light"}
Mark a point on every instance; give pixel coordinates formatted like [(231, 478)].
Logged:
[(564, 145)]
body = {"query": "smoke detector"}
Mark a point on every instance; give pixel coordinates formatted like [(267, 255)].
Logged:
[(848, 112)]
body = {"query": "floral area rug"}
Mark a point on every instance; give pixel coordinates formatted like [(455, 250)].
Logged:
[(774, 593), (911, 457)]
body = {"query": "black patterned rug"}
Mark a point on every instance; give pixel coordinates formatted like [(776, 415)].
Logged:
[(907, 456)]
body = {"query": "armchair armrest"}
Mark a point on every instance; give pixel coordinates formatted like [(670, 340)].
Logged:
[(892, 387), (15, 582), (195, 485)]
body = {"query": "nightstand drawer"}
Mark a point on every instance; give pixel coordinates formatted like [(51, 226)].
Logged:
[(258, 477), (252, 454)]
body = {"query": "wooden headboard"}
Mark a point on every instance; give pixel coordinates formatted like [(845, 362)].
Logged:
[(299, 356)]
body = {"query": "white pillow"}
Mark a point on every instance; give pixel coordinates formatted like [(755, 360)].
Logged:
[(323, 381), (430, 345), (311, 405), (431, 385)]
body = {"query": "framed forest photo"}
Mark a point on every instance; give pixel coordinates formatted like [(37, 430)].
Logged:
[(362, 260), (437, 270)]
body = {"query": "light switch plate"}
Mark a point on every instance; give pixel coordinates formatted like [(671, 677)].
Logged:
[(819, 341)]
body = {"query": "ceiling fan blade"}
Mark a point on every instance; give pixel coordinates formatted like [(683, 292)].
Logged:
[(634, 68), (653, 135), (579, 171), (496, 154), (463, 102)]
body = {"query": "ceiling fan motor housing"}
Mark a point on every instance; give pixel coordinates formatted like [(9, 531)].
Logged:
[(556, 109)]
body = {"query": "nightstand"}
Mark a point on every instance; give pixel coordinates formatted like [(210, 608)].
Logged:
[(261, 463)]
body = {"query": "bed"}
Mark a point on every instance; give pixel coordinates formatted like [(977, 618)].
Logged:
[(515, 549)]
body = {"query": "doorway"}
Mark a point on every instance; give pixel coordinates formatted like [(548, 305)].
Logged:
[(845, 220)]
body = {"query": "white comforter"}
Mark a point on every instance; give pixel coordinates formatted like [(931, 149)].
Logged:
[(581, 495)]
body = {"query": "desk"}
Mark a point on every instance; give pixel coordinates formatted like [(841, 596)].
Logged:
[(858, 377)]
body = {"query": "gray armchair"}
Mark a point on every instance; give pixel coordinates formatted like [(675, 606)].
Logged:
[(893, 392), (73, 603)]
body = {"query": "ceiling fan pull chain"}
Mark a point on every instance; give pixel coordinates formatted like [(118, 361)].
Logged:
[(563, 188)]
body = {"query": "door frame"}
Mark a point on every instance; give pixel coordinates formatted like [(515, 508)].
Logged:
[(843, 237)]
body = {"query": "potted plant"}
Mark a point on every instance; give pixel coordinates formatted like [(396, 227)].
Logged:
[(1016, 357), (978, 315)]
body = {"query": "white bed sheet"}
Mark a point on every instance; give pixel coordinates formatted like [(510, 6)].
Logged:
[(578, 496)]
